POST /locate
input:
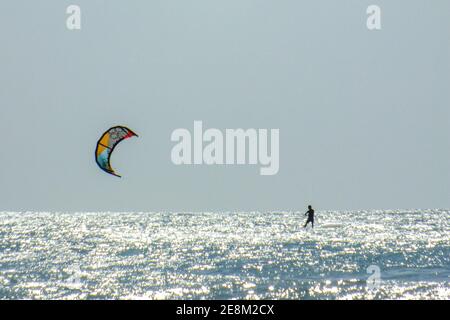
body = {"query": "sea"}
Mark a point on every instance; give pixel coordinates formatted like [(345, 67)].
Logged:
[(371, 254)]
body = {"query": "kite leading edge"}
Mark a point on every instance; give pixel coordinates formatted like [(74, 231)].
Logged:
[(106, 144)]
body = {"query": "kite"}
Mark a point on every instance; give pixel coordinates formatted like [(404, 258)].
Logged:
[(106, 144)]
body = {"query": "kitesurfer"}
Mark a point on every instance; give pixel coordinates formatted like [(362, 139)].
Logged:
[(310, 214)]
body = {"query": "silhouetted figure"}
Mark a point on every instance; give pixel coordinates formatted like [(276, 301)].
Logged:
[(310, 214)]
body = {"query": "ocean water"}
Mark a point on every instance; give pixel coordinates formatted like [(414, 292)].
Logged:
[(229, 255)]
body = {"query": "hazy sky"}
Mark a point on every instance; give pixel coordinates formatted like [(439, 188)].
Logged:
[(364, 116)]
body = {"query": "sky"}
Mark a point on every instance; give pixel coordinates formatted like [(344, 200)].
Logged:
[(363, 116)]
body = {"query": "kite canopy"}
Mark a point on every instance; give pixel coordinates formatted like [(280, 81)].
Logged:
[(106, 144)]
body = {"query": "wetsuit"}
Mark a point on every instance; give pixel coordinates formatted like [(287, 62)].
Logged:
[(310, 214)]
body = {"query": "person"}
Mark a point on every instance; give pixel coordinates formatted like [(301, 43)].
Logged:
[(310, 214)]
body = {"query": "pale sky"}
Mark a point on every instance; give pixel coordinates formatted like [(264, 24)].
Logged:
[(364, 116)]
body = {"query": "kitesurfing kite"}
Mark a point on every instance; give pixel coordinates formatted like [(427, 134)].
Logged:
[(106, 144)]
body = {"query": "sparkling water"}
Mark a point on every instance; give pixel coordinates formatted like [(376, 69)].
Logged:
[(393, 254)]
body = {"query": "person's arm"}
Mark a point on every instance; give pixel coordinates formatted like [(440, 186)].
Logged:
[(306, 213)]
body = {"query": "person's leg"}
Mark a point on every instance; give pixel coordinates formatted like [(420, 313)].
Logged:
[(312, 223)]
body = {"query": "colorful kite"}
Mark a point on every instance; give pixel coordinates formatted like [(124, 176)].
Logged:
[(106, 144)]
